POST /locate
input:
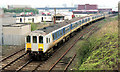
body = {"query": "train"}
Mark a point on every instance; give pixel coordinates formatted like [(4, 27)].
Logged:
[(42, 42)]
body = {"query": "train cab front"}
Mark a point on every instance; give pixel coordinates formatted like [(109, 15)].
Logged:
[(34, 45)]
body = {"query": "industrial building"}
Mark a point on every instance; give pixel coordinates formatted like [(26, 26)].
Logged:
[(15, 34), (18, 6), (86, 9), (105, 10), (33, 19), (28, 19), (58, 9)]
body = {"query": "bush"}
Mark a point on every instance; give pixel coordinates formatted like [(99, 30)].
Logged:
[(33, 26)]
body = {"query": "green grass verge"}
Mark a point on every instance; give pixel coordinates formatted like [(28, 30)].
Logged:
[(100, 51)]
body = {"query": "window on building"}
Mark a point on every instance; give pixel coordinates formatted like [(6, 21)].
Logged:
[(29, 19), (40, 39), (34, 39), (28, 39), (20, 19)]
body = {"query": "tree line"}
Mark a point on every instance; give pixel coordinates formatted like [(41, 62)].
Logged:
[(19, 10)]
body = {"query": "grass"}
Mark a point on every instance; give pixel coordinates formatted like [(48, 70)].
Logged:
[(33, 26), (99, 52)]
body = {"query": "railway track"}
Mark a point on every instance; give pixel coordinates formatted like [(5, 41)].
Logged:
[(68, 51), (58, 61), (11, 55), (17, 70), (65, 69), (40, 65), (36, 65), (33, 66), (8, 62)]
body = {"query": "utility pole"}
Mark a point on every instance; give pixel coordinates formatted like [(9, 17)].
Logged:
[(24, 16), (55, 16)]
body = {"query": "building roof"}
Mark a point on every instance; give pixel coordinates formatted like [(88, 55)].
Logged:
[(15, 25), (52, 8), (58, 14)]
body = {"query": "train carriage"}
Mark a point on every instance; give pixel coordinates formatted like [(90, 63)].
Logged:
[(41, 42)]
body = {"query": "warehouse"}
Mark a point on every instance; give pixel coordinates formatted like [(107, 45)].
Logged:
[(15, 34), (33, 19), (28, 19)]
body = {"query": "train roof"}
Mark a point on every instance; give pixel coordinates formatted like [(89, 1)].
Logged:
[(51, 28), (59, 25)]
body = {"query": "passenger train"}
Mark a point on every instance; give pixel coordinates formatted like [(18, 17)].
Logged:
[(40, 43)]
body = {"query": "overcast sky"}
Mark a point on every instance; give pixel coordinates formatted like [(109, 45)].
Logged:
[(59, 3)]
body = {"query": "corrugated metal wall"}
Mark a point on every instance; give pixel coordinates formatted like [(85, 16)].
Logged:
[(13, 39)]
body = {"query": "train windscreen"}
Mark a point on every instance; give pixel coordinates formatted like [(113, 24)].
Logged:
[(40, 39), (28, 39), (34, 39)]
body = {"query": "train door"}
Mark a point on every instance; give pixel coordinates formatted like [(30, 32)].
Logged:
[(34, 43)]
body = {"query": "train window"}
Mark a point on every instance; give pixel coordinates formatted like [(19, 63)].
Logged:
[(49, 40), (46, 40), (76, 24), (64, 30), (56, 35), (34, 39), (40, 39), (73, 25), (80, 22), (83, 21), (67, 29), (53, 36), (60, 32), (88, 19), (28, 39)]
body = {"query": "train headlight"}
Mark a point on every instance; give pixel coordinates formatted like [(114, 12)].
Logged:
[(40, 49), (29, 49)]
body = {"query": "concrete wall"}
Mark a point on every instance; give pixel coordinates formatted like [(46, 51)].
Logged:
[(15, 35), (8, 19), (1, 13)]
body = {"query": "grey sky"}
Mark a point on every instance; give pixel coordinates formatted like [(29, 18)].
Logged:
[(57, 3)]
